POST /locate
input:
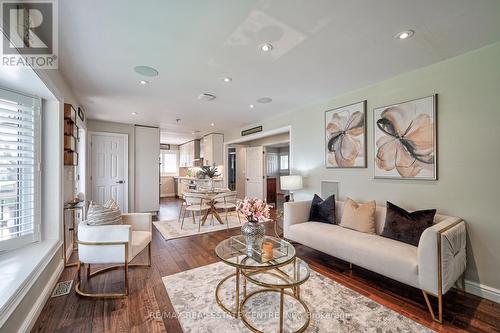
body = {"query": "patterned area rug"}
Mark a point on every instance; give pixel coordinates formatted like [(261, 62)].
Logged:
[(334, 308), (171, 229)]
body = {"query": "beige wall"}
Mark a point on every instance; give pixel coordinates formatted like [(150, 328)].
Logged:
[(468, 159), (129, 129)]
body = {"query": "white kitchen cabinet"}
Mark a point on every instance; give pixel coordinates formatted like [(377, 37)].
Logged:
[(188, 153), (213, 149)]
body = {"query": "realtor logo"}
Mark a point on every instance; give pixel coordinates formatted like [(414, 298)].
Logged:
[(29, 34)]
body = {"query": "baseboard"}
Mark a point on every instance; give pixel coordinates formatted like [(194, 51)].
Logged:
[(483, 291), (37, 307), (167, 195)]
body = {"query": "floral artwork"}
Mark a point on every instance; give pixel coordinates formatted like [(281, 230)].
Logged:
[(254, 209), (405, 140), (345, 130)]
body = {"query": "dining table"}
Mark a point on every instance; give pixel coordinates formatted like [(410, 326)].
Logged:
[(210, 196)]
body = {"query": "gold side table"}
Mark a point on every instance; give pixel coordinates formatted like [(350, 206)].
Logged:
[(74, 208), (290, 276), (232, 251)]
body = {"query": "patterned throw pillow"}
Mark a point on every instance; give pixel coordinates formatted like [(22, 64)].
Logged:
[(107, 214)]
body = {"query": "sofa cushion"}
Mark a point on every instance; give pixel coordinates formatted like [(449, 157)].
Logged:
[(359, 217), (323, 210), (396, 260), (404, 226)]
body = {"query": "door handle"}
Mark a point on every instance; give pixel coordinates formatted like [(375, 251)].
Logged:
[(248, 179), (120, 182)]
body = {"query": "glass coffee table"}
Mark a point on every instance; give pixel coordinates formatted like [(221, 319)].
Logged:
[(274, 273)]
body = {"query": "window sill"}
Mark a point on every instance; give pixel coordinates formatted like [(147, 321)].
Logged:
[(20, 269)]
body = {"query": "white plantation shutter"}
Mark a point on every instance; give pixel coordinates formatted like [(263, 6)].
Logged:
[(19, 169)]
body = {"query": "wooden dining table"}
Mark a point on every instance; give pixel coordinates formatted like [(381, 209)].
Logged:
[(210, 200)]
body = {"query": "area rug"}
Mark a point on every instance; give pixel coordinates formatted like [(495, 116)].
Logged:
[(171, 229), (333, 307)]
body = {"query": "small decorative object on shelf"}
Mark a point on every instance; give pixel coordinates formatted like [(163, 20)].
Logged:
[(255, 211)]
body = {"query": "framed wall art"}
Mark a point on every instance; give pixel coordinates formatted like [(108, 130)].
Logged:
[(405, 140), (345, 136)]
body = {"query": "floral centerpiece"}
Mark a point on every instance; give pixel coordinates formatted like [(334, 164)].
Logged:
[(255, 211)]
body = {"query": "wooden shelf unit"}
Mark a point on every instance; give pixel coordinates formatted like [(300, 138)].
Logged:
[(70, 136)]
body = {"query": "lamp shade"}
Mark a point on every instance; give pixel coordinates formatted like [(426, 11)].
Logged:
[(291, 183)]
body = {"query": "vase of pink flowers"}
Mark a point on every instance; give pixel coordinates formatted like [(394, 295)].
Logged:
[(255, 211)]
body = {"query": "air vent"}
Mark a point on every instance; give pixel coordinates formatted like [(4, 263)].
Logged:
[(62, 288), (206, 97)]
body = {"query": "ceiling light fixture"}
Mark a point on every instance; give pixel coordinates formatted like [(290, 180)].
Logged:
[(143, 82), (227, 79), (134, 113), (266, 47), (212, 124), (146, 71), (405, 34), (252, 106), (265, 100)]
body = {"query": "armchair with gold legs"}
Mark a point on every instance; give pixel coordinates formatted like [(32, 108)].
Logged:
[(113, 244)]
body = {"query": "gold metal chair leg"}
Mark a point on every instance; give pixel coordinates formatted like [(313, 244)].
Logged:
[(438, 319)]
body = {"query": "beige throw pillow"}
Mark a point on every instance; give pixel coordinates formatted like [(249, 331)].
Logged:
[(360, 217)]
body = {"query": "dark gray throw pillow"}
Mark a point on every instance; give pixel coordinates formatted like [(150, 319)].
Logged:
[(405, 226), (323, 210)]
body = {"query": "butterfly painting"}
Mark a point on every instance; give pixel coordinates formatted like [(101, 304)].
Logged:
[(405, 140), (345, 134)]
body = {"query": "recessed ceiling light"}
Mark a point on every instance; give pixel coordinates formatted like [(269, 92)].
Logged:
[(212, 124), (266, 47), (143, 82), (252, 106), (146, 71), (227, 79), (405, 34), (134, 113), (265, 100)]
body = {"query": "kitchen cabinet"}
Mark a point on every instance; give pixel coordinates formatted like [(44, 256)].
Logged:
[(212, 149), (188, 153)]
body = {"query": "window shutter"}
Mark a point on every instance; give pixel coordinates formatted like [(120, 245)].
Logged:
[(19, 169)]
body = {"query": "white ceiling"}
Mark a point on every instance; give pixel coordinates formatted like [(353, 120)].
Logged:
[(322, 48)]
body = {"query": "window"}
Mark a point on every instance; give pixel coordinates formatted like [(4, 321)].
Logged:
[(283, 162), (169, 164), (19, 169)]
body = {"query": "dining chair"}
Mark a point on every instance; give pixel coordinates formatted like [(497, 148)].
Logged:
[(195, 202), (227, 201), (183, 206)]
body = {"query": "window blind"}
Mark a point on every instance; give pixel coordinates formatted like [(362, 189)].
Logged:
[(19, 169)]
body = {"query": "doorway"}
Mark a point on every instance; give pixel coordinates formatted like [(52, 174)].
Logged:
[(109, 168), (254, 165)]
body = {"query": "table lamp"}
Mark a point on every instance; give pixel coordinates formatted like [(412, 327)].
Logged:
[(291, 183)]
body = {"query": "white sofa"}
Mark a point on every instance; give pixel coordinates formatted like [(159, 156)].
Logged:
[(421, 267)]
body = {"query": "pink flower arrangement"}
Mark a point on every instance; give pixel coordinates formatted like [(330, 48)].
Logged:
[(254, 209)]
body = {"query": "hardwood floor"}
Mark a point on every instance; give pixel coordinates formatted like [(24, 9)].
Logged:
[(70, 313)]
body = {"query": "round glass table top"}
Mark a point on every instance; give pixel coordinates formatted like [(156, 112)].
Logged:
[(233, 251), (291, 275)]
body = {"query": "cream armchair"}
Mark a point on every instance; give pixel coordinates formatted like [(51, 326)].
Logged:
[(113, 244)]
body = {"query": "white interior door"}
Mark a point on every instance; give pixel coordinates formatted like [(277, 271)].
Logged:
[(109, 168), (255, 172)]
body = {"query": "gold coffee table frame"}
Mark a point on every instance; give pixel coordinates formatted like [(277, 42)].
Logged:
[(292, 283), (244, 272)]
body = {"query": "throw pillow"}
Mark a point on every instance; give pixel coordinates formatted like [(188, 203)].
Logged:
[(360, 217), (323, 210), (405, 226), (107, 214)]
